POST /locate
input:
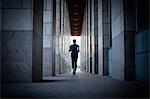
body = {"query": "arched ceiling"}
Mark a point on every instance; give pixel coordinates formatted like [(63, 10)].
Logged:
[(76, 13)]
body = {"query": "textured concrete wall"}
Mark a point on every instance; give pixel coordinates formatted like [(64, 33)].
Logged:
[(17, 40)]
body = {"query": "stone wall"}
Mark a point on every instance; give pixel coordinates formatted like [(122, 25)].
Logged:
[(17, 18)]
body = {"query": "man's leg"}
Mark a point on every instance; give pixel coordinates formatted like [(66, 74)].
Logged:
[(72, 63), (75, 63)]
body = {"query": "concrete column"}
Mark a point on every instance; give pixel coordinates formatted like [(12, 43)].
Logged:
[(86, 14), (62, 33), (95, 36), (88, 36), (92, 35), (123, 39), (37, 41), (47, 37), (100, 38), (106, 33), (64, 37), (86, 39), (103, 36), (0, 34), (129, 34), (54, 38), (57, 50), (118, 51), (83, 45), (66, 40)]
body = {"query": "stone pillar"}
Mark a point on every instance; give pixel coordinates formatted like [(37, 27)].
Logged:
[(88, 36), (92, 35), (0, 36), (83, 44), (47, 37), (106, 33), (37, 41), (118, 51), (103, 36), (129, 36), (86, 39), (123, 39), (16, 41), (95, 36), (57, 50), (62, 33), (66, 40), (54, 38), (100, 38), (87, 52)]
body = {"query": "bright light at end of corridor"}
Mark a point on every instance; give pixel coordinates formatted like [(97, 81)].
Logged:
[(77, 38)]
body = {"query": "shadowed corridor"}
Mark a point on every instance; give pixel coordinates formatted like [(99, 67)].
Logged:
[(114, 48), (81, 85)]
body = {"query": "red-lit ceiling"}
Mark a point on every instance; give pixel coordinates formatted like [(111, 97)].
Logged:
[(76, 13)]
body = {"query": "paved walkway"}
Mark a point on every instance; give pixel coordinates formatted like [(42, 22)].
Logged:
[(82, 85)]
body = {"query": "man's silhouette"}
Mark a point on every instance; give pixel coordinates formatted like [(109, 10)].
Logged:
[(74, 48)]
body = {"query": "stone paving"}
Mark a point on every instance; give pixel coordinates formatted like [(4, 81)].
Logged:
[(82, 85)]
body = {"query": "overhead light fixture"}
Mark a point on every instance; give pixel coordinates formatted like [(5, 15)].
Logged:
[(75, 5), (76, 19), (75, 13)]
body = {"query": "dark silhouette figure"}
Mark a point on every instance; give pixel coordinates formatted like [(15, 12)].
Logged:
[(74, 48)]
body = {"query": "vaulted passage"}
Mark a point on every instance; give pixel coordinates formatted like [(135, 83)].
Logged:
[(76, 14), (114, 49)]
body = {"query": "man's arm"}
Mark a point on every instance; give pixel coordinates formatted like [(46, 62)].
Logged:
[(70, 49)]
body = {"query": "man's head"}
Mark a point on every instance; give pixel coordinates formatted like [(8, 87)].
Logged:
[(74, 41)]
